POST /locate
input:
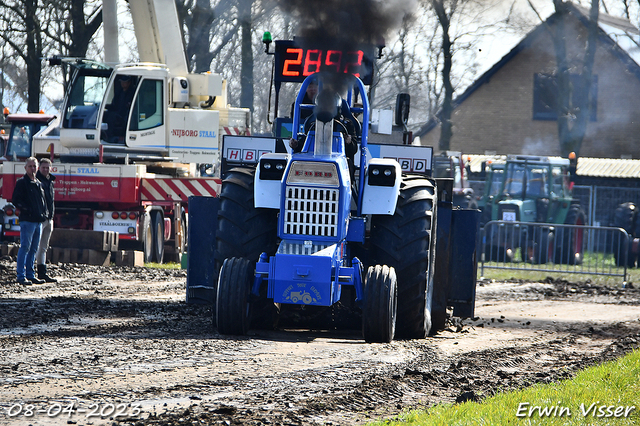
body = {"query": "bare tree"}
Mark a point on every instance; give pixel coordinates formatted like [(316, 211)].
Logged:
[(71, 27), (246, 52), (410, 65), (223, 37), (72, 24), (208, 29), (444, 18), (23, 34)]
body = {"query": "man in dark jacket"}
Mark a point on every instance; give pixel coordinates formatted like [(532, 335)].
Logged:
[(46, 180), (28, 197)]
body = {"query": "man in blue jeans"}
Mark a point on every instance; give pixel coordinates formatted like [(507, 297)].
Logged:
[(28, 197)]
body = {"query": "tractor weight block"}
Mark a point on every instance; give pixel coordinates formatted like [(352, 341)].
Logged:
[(81, 239), (464, 261), (201, 269)]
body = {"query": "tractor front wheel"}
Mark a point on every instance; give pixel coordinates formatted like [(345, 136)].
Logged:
[(539, 249), (380, 304), (233, 310)]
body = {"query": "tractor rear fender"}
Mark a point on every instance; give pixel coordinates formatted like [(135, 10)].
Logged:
[(381, 186)]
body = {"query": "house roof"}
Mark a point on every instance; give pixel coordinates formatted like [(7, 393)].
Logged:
[(587, 166), (618, 34)]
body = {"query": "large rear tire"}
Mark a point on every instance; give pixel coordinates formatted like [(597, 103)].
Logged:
[(243, 230), (570, 250), (380, 304), (625, 216), (404, 241), (233, 310)]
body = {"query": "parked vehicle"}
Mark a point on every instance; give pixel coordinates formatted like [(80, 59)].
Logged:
[(535, 189), (626, 217)]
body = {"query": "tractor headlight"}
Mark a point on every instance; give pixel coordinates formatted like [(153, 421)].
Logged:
[(382, 175), (272, 168)]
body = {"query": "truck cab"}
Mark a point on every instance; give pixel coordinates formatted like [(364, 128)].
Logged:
[(23, 128)]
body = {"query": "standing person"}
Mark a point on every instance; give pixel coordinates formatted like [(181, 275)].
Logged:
[(28, 197), (46, 180)]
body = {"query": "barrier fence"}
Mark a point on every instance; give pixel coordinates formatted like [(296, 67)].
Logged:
[(544, 247)]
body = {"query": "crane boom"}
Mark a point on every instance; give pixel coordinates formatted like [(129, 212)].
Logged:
[(158, 34)]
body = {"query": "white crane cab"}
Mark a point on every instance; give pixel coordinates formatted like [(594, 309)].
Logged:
[(140, 110)]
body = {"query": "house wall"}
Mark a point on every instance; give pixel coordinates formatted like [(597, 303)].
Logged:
[(498, 116)]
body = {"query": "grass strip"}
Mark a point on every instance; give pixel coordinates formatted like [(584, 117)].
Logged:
[(605, 394)]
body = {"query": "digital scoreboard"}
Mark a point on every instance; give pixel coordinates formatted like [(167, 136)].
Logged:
[(295, 61)]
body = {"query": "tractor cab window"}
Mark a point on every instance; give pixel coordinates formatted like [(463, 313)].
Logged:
[(496, 181), (557, 181), (514, 180), (19, 142), (537, 182)]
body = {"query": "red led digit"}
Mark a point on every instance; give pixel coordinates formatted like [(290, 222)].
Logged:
[(356, 63), (292, 62), (333, 59), (313, 59)]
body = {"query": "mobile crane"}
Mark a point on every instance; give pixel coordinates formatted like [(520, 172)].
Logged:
[(132, 170)]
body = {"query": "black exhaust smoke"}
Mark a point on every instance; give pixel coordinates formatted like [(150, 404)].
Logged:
[(348, 22), (345, 25)]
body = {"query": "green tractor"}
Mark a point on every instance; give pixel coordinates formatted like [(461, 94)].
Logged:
[(535, 189)]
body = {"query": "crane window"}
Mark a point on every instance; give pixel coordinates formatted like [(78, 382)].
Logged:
[(85, 97), (147, 111)]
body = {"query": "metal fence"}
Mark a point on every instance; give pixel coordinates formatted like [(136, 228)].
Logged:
[(544, 247)]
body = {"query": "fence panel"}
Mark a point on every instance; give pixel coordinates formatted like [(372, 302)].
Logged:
[(544, 247)]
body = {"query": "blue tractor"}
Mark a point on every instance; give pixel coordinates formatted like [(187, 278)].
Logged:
[(311, 227)]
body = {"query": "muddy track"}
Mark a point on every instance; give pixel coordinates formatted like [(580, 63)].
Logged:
[(122, 342)]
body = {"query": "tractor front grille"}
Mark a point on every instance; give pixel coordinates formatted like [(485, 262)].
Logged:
[(311, 211), (298, 247)]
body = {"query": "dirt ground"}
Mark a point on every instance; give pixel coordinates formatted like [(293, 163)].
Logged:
[(120, 346)]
